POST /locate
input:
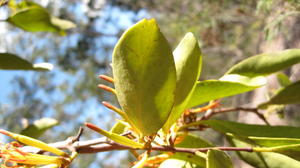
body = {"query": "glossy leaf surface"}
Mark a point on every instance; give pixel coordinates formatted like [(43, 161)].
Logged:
[(37, 129), (188, 62), (218, 159), (12, 62), (145, 76)]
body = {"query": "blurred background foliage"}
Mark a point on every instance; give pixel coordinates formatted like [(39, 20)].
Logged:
[(228, 31)]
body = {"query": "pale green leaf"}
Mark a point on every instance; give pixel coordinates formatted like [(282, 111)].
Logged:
[(283, 79), (188, 62), (34, 18), (215, 89), (12, 62), (265, 64), (145, 76), (287, 95), (38, 127), (119, 138), (118, 128), (218, 159)]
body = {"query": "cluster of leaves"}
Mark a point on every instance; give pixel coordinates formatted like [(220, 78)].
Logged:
[(31, 17), (155, 87)]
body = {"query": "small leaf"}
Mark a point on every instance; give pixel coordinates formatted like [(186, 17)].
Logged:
[(215, 89), (188, 62), (264, 159), (12, 62), (283, 79), (287, 95), (118, 128), (115, 137), (265, 64), (218, 159), (192, 141), (144, 76), (36, 129), (34, 18)]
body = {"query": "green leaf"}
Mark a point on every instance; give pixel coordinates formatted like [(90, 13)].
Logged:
[(283, 79), (115, 137), (228, 85), (38, 128), (280, 139), (252, 130), (192, 141), (145, 76), (34, 18), (218, 159), (188, 62), (119, 127), (12, 62), (176, 163), (265, 64), (287, 95), (264, 159)]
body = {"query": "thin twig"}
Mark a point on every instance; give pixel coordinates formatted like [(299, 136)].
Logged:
[(211, 113)]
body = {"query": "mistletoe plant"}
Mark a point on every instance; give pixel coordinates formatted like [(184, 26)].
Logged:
[(161, 102)]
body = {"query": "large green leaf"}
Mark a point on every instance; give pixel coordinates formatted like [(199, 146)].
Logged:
[(215, 89), (264, 159), (218, 159), (12, 62), (287, 95), (188, 62), (37, 129), (34, 18), (145, 76), (265, 64)]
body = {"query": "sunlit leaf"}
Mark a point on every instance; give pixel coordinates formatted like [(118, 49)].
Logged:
[(37, 129), (218, 159), (118, 128), (12, 62), (265, 64), (188, 62), (145, 76), (287, 95), (34, 18), (115, 137), (215, 89)]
